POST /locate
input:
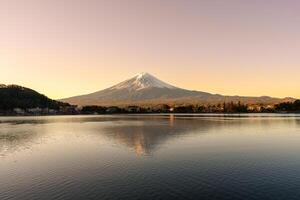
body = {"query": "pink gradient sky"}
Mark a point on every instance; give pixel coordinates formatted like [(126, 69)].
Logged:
[(64, 48)]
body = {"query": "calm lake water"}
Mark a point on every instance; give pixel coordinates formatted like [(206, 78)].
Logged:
[(150, 157)]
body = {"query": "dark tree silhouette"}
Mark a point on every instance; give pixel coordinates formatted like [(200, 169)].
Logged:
[(14, 96)]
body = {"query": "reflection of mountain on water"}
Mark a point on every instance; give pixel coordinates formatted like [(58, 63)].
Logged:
[(143, 133), (147, 135)]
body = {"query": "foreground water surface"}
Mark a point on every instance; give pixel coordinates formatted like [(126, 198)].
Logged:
[(150, 157)]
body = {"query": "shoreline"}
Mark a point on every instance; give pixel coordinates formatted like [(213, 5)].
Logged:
[(163, 114)]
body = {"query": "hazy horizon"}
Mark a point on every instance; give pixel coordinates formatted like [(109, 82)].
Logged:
[(73, 47)]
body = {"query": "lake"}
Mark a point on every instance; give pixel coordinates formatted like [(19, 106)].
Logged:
[(150, 157)]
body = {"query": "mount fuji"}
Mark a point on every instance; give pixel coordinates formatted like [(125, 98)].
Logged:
[(145, 89)]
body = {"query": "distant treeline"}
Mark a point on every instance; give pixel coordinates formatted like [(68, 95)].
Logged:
[(288, 106), (231, 107)]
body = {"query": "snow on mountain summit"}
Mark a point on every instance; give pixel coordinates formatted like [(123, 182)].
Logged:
[(142, 81)]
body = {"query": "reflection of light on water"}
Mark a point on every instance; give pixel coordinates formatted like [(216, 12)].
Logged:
[(139, 145), (172, 118), (140, 150), (3, 151)]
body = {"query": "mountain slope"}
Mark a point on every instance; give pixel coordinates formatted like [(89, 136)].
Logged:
[(14, 96), (147, 89)]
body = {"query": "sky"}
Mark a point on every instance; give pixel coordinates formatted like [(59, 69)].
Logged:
[(63, 48)]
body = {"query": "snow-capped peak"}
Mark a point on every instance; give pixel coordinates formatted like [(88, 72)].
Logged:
[(142, 74), (141, 81)]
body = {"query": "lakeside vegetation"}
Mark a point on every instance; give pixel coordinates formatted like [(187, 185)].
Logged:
[(65, 109), (231, 107)]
